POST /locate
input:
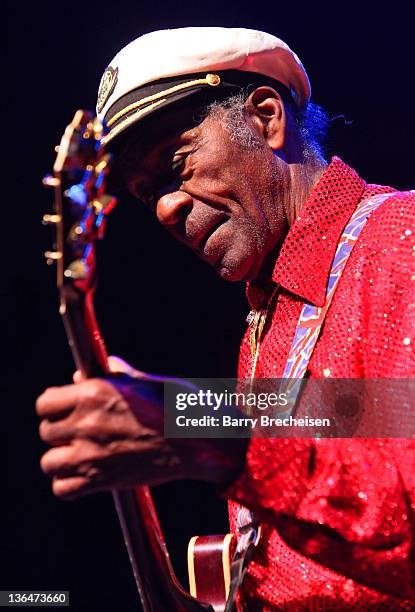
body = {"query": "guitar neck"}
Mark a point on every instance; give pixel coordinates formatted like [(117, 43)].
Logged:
[(154, 576), (81, 205), (84, 337)]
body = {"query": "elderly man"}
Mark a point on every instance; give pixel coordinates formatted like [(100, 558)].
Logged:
[(219, 138)]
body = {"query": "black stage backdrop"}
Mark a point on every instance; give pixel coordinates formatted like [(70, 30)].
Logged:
[(159, 307)]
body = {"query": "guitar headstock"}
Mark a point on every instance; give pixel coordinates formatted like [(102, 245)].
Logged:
[(81, 203)]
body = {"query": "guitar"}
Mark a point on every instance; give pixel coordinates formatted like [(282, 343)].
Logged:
[(80, 210)]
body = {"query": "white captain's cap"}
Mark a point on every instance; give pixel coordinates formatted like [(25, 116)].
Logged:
[(163, 67)]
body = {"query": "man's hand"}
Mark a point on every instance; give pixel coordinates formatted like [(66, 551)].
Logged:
[(109, 434)]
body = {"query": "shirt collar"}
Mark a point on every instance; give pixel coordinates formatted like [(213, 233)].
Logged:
[(304, 261)]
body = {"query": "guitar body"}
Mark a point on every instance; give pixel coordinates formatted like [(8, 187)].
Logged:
[(80, 209)]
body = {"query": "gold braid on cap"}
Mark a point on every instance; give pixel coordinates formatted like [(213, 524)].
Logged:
[(152, 101), (126, 122), (210, 79)]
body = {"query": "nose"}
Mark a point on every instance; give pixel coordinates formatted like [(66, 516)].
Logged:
[(172, 207)]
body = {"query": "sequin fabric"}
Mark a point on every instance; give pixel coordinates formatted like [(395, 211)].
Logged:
[(338, 515)]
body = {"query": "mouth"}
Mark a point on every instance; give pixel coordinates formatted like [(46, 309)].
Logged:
[(201, 246), (197, 238)]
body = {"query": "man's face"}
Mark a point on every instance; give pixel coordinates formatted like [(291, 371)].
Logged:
[(218, 197)]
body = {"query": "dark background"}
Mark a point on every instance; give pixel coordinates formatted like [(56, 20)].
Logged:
[(159, 307)]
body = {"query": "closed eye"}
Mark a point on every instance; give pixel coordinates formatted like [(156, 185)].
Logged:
[(150, 199), (168, 182)]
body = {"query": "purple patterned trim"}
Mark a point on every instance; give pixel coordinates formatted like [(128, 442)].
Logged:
[(312, 317)]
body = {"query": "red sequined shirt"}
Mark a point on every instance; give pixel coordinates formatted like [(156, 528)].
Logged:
[(338, 515)]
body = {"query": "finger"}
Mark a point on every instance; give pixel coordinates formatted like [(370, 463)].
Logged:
[(73, 487), (57, 401), (59, 461), (73, 460), (78, 377), (56, 432), (116, 365)]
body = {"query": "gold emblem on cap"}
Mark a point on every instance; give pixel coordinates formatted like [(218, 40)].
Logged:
[(107, 86), (213, 79)]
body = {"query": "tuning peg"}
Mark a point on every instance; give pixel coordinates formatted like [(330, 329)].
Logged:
[(76, 233), (98, 205), (52, 256), (77, 270), (97, 128), (51, 181), (103, 202), (51, 219), (102, 164)]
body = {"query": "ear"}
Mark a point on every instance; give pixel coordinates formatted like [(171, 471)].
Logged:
[(266, 110)]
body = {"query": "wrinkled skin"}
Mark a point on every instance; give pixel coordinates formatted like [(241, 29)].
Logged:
[(228, 205), (109, 434), (216, 196)]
